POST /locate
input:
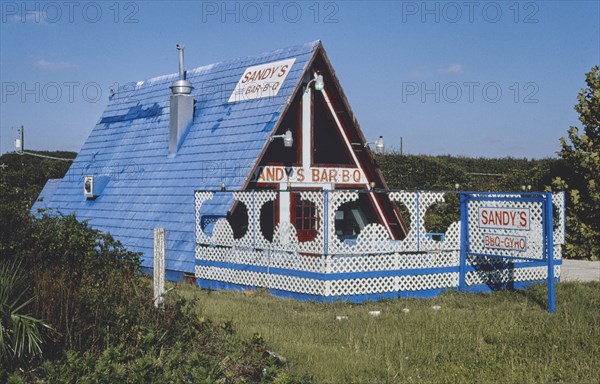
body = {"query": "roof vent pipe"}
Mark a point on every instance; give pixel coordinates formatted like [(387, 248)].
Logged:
[(180, 48), (181, 86), (182, 108)]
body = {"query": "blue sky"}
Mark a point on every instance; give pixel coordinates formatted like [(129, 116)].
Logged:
[(480, 78)]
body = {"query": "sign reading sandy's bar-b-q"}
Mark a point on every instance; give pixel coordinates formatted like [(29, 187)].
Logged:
[(260, 81)]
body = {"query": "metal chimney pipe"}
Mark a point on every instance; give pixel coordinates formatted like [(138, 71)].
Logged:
[(180, 48), (181, 86), (181, 115)]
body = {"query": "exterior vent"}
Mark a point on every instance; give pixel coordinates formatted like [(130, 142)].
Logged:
[(182, 107), (88, 187), (93, 186)]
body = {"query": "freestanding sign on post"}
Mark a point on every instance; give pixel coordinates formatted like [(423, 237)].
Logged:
[(512, 226)]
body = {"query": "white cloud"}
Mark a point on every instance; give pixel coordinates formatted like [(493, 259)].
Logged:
[(451, 70), (46, 65)]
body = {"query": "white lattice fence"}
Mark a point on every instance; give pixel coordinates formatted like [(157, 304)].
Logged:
[(370, 266)]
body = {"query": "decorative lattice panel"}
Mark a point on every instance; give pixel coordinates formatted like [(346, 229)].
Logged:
[(428, 281), (558, 202), (261, 280), (558, 251), (199, 199), (297, 284), (411, 202), (417, 204), (429, 260), (254, 202), (363, 263), (363, 286), (412, 264), (222, 234), (263, 258), (297, 261), (285, 237), (508, 275), (392, 261), (452, 238)]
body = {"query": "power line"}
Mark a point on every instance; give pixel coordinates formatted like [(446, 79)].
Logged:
[(484, 174), (43, 156), (20, 147)]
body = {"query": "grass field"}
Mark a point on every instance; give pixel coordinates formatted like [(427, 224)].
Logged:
[(501, 337)]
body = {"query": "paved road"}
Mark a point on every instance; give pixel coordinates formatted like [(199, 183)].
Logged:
[(580, 270)]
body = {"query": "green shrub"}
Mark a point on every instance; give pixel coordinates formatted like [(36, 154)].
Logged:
[(176, 346), (87, 284), (21, 334), (90, 289)]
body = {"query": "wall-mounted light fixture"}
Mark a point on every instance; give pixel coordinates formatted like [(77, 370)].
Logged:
[(319, 84), (379, 145), (288, 139)]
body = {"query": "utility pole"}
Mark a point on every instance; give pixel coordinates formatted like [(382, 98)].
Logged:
[(20, 147), (20, 141), (401, 149)]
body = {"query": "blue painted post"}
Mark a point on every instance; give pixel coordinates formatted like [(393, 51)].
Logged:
[(464, 238), (549, 241)]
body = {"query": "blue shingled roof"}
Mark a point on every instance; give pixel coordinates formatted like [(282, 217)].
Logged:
[(146, 187), (46, 195)]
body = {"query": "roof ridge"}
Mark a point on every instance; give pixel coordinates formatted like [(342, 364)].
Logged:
[(195, 70)]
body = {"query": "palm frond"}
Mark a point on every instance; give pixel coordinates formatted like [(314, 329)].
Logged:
[(21, 334)]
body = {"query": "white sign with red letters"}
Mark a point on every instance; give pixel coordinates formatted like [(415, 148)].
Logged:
[(308, 175), (264, 80)]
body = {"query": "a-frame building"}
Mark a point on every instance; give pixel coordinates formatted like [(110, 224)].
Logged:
[(279, 120)]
